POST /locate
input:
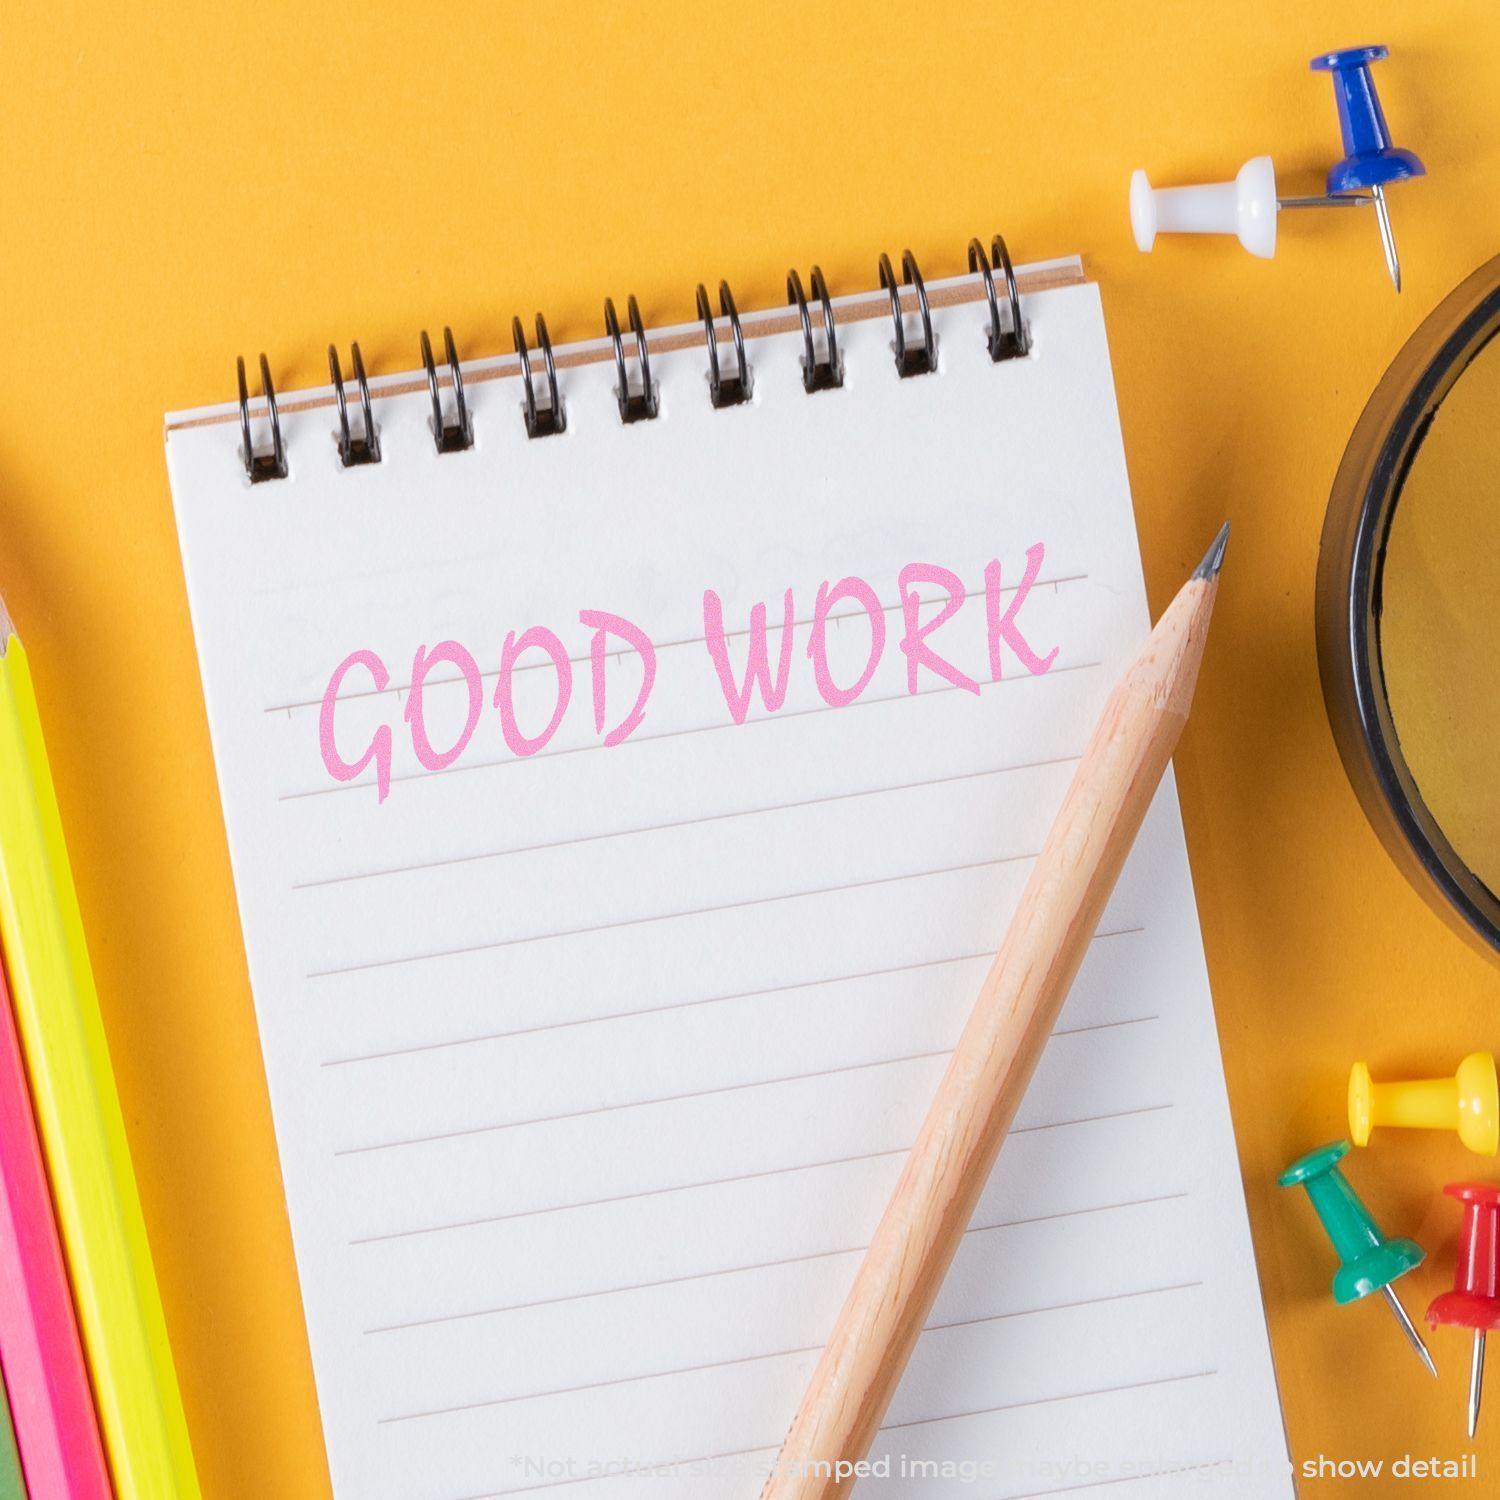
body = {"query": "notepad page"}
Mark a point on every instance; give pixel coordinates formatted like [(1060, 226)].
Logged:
[(593, 1069)]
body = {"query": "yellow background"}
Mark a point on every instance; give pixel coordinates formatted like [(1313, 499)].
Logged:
[(184, 183)]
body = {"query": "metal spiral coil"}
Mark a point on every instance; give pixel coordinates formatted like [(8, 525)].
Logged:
[(911, 359), (458, 435), (635, 406), (724, 390), (541, 421), (364, 449), (826, 374), (259, 466), (637, 394), (1004, 343)]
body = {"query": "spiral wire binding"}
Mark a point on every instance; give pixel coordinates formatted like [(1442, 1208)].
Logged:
[(458, 435), (919, 359), (635, 406), (826, 374), (364, 449), (1007, 337), (541, 421), (1005, 343), (725, 390), (259, 466)]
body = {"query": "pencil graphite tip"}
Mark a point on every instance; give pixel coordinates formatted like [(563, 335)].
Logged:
[(1213, 559)]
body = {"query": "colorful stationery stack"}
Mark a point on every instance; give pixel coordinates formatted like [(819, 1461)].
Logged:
[(91, 1392)]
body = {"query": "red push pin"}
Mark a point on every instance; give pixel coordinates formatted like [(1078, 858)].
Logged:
[(1474, 1301)]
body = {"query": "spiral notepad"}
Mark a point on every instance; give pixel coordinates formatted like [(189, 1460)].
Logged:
[(631, 751)]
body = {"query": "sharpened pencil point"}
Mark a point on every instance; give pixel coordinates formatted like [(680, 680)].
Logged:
[(1213, 559)]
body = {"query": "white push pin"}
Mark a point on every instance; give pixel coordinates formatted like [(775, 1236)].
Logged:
[(1245, 208)]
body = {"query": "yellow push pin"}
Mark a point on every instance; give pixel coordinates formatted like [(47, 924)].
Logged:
[(1469, 1103)]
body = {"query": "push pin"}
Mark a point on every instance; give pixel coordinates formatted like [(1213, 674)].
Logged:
[(1474, 1302), (1369, 1262), (1370, 160), (1248, 207), (1469, 1103), (1245, 208)]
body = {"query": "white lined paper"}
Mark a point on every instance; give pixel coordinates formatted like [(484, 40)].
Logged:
[(592, 1070)]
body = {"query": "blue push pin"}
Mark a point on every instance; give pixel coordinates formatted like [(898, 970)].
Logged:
[(1370, 160)]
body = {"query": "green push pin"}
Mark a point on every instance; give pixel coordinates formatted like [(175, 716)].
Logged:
[(1369, 1261)]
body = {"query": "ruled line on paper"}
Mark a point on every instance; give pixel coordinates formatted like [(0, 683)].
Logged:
[(706, 1000), (709, 1093), (399, 960), (1104, 1025), (764, 1172), (609, 1109), (1108, 1390), (747, 1359), (779, 716), (836, 616), (657, 1010), (719, 817), (661, 1192), (764, 1265)]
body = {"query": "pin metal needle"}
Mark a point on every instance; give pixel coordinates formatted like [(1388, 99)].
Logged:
[(1327, 200), (1387, 239), (1476, 1381), (1409, 1329)]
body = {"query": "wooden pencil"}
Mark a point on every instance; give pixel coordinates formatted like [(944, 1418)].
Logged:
[(46, 1380), (1017, 1008), (78, 1115)]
